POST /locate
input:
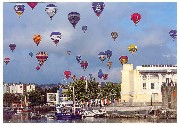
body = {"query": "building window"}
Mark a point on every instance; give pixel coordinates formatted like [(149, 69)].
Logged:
[(152, 85), (144, 85)]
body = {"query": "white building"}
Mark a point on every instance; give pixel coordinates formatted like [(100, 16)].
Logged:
[(143, 84)]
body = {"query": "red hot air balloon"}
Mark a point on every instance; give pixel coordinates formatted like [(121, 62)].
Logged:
[(6, 60), (32, 4), (105, 76), (42, 57), (123, 59), (67, 74), (37, 67), (84, 64), (135, 17), (83, 78)]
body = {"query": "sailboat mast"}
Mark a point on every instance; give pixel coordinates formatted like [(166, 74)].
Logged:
[(74, 99)]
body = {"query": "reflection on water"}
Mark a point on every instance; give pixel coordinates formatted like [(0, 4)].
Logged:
[(26, 118)]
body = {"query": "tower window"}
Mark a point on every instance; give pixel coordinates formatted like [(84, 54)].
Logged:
[(144, 85)]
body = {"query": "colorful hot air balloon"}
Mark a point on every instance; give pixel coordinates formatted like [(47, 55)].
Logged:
[(73, 77), (102, 56), (51, 10), (84, 28), (84, 64), (74, 17), (37, 39), (114, 35), (6, 60), (42, 57), (109, 64), (100, 73), (67, 74), (56, 37), (123, 59), (105, 76), (31, 54), (19, 9), (135, 17), (78, 58), (37, 67), (12, 46), (32, 4), (108, 54), (83, 78), (173, 34), (132, 48), (98, 7)]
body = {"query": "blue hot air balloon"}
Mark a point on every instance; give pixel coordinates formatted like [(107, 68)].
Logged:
[(108, 54), (173, 34), (78, 58), (31, 54), (100, 73), (19, 9), (84, 28), (102, 56)]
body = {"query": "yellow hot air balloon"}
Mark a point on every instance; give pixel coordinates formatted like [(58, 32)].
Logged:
[(132, 48), (37, 38)]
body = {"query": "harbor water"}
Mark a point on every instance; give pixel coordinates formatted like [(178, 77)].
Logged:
[(26, 118)]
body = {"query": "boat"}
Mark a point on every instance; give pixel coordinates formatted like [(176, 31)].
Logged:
[(68, 112)]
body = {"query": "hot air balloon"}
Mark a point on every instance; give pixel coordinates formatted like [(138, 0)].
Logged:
[(84, 28), (114, 35), (98, 7), (51, 10), (37, 67), (6, 60), (135, 17), (37, 39), (109, 64), (132, 48), (19, 9), (108, 54), (73, 77), (123, 59), (100, 73), (56, 37), (12, 46), (173, 34), (105, 76), (67, 74), (102, 56), (68, 52), (31, 54), (42, 57), (74, 17), (32, 4), (83, 78), (84, 64), (78, 58)]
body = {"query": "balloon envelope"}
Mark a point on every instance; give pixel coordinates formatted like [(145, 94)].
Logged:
[(98, 7), (51, 10), (6, 60), (74, 17), (19, 9), (32, 4), (12, 46), (135, 17), (42, 57)]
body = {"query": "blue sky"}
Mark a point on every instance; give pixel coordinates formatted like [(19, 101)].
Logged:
[(155, 46)]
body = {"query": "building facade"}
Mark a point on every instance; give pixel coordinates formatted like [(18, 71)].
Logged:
[(143, 84), (19, 88)]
